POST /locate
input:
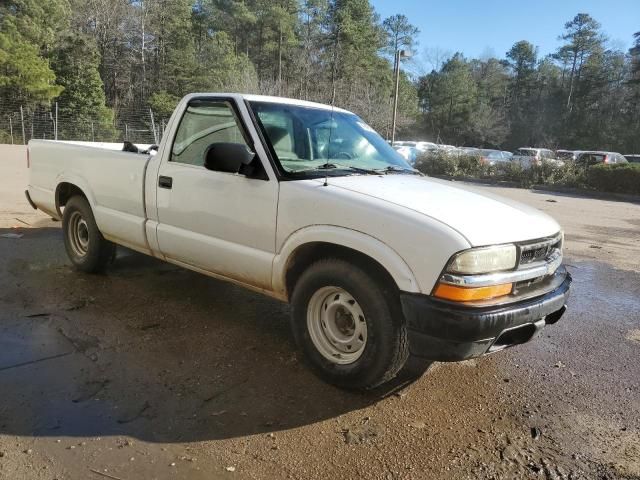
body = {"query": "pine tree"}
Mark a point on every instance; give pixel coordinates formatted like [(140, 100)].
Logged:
[(308, 60), (634, 52), (27, 32), (82, 102), (522, 59), (174, 60), (355, 40), (120, 30), (451, 100), (400, 34), (582, 36)]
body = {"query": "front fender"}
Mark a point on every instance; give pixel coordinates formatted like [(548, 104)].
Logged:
[(353, 239)]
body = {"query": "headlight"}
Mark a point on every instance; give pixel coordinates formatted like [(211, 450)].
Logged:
[(484, 260)]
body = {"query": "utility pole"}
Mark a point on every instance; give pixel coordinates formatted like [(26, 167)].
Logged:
[(56, 125), (396, 70), (400, 54), (11, 129)]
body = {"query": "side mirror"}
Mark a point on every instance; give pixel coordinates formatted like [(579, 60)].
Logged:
[(228, 157)]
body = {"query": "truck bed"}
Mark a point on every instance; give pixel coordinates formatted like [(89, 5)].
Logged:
[(115, 180)]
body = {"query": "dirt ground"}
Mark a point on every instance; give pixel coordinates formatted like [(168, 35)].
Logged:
[(154, 372)]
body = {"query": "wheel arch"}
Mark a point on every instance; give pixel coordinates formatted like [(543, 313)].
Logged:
[(308, 245), (70, 187)]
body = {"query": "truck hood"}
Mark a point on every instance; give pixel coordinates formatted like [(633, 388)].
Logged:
[(482, 218)]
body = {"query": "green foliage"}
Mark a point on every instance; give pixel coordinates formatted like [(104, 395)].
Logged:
[(24, 75), (584, 96), (5, 137), (37, 21), (401, 35), (235, 18), (620, 178), (143, 53), (486, 125), (453, 164), (356, 39), (522, 59), (449, 98), (27, 31), (175, 48), (75, 62), (634, 52), (277, 26), (163, 104), (616, 178)]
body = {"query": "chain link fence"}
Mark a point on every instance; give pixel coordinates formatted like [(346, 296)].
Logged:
[(21, 123)]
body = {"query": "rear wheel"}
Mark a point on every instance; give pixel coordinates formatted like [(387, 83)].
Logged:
[(87, 249), (349, 325)]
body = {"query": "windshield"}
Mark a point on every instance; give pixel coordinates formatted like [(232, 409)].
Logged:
[(525, 152), (307, 139), (491, 153), (564, 154)]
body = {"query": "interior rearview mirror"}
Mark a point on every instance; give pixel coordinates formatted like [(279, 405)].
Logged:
[(228, 157)]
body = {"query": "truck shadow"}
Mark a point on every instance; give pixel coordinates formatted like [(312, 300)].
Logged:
[(149, 350)]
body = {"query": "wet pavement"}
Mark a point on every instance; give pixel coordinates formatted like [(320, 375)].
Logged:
[(151, 371)]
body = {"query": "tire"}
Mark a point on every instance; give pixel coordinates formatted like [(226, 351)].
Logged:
[(87, 249), (360, 341)]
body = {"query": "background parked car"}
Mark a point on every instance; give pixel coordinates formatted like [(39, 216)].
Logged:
[(633, 158), (471, 151), (529, 156), (404, 143), (446, 148), (426, 146), (421, 146), (410, 154), (567, 155), (589, 158), (493, 157)]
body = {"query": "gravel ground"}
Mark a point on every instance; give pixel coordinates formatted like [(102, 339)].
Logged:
[(151, 371)]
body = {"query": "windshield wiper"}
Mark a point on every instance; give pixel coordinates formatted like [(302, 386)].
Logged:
[(396, 169), (332, 166), (365, 171), (326, 166)]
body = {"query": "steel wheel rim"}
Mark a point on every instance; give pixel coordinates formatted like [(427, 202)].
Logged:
[(78, 234), (336, 325)]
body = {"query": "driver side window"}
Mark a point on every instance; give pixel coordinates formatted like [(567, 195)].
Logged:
[(203, 123)]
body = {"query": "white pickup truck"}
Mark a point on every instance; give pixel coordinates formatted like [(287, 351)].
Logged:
[(306, 203)]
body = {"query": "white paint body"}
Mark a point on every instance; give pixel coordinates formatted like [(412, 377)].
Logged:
[(246, 230)]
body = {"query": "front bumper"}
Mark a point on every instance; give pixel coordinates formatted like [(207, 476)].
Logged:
[(448, 332)]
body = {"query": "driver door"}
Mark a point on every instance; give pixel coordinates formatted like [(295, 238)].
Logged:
[(223, 223)]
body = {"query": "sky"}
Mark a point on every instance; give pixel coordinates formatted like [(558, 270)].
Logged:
[(479, 28)]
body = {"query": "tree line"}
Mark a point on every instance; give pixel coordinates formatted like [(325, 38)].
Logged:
[(118, 57), (585, 95), (105, 60)]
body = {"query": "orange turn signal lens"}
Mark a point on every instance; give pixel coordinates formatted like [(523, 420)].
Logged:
[(464, 294)]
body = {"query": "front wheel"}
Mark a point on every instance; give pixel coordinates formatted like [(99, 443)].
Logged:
[(349, 325), (87, 249)]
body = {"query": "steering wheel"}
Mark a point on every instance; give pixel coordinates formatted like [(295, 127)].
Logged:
[(345, 155)]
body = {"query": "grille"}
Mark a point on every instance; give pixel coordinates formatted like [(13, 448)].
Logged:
[(539, 251)]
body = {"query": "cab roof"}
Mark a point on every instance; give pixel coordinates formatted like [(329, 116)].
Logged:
[(270, 99)]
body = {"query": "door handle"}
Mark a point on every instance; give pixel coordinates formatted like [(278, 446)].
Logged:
[(165, 182)]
